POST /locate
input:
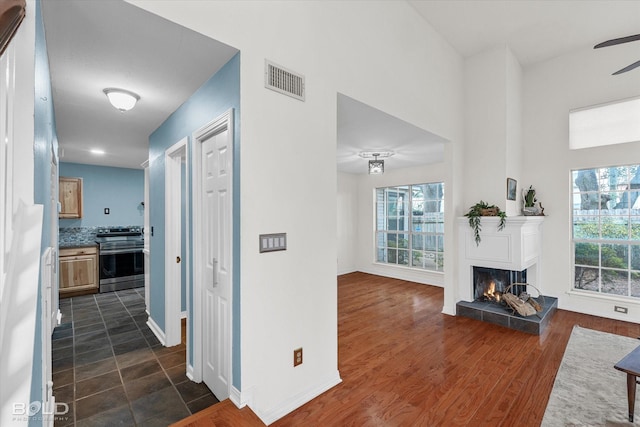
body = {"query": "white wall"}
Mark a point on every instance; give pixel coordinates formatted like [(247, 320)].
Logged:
[(380, 53), (493, 151), (551, 89), (347, 222), (365, 250)]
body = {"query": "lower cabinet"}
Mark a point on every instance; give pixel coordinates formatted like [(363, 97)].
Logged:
[(78, 271)]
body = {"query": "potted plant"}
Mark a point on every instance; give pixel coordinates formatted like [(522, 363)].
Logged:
[(479, 210), (529, 200)]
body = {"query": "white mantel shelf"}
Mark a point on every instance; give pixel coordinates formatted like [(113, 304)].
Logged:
[(516, 247)]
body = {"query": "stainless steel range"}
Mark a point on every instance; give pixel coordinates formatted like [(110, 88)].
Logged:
[(121, 258)]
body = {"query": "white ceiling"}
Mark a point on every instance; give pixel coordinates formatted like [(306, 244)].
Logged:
[(364, 128), (97, 44), (534, 30), (93, 45)]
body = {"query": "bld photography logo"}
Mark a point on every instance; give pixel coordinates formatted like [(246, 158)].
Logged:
[(35, 409)]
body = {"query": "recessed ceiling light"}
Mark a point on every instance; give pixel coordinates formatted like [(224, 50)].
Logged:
[(97, 151)]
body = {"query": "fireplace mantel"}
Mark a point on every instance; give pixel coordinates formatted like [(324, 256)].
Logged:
[(516, 247)]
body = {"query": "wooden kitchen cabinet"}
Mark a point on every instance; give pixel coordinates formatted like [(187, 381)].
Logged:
[(70, 195), (78, 271)]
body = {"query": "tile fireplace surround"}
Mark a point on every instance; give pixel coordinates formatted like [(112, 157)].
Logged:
[(517, 247)]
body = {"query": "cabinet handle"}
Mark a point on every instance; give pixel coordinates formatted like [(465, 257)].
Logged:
[(178, 259)]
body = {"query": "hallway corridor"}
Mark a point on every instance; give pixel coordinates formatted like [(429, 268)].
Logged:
[(110, 369)]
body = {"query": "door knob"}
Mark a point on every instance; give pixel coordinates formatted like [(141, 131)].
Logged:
[(178, 260)]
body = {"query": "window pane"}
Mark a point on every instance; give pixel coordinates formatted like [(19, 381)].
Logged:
[(635, 257), (430, 260), (430, 242), (403, 257), (615, 282), (634, 202), (614, 203), (392, 256), (615, 256), (381, 255), (611, 123), (381, 240), (634, 223), (586, 278), (440, 261), (417, 259), (417, 241), (587, 254), (634, 284), (615, 227), (585, 227)]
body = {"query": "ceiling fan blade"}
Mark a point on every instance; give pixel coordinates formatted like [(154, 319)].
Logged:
[(620, 40), (627, 68)]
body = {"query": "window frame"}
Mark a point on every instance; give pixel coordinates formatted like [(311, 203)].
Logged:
[(409, 225), (611, 250)]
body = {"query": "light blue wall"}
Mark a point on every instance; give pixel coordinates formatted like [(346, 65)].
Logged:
[(219, 94), (44, 142), (119, 189)]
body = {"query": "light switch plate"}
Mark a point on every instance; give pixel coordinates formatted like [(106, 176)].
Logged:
[(273, 242)]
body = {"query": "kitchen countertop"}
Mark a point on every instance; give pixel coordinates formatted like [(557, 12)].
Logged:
[(78, 244)]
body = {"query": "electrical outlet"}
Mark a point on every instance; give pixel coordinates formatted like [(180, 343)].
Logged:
[(620, 309), (297, 357)]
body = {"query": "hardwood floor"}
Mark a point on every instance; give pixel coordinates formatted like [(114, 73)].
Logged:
[(404, 363)]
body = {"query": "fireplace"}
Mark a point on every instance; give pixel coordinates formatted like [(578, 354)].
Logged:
[(511, 255), (490, 283)]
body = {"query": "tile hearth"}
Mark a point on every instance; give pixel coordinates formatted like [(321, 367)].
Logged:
[(501, 315)]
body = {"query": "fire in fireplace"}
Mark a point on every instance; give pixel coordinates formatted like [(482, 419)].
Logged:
[(490, 283)]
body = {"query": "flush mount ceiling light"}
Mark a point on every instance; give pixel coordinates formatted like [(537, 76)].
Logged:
[(376, 166), (121, 99)]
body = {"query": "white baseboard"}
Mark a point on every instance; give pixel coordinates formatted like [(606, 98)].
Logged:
[(239, 398), (298, 400), (156, 331), (190, 373)]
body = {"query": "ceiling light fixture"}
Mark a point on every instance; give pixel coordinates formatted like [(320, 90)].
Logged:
[(121, 99), (376, 166)]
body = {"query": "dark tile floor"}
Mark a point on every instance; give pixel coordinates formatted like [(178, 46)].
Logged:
[(111, 369)]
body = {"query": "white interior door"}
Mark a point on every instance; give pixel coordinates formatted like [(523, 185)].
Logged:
[(216, 222), (175, 156)]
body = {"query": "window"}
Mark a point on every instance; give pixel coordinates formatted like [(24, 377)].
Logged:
[(410, 226), (606, 230), (607, 124)]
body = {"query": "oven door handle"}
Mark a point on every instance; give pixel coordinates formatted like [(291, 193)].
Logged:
[(120, 251)]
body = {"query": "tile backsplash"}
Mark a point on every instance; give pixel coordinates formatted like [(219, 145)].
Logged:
[(82, 235)]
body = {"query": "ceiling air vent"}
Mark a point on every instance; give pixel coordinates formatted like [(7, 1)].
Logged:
[(284, 81)]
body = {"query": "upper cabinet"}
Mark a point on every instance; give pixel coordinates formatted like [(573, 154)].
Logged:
[(70, 197)]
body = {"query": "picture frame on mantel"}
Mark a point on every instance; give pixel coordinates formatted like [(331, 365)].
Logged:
[(512, 186)]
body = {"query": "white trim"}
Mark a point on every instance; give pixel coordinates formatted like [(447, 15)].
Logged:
[(172, 234), (224, 121), (190, 373), (183, 314), (298, 400), (147, 237), (239, 398), (157, 331)]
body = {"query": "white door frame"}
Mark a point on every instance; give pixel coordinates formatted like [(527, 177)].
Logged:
[(147, 237), (220, 124), (173, 158)]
